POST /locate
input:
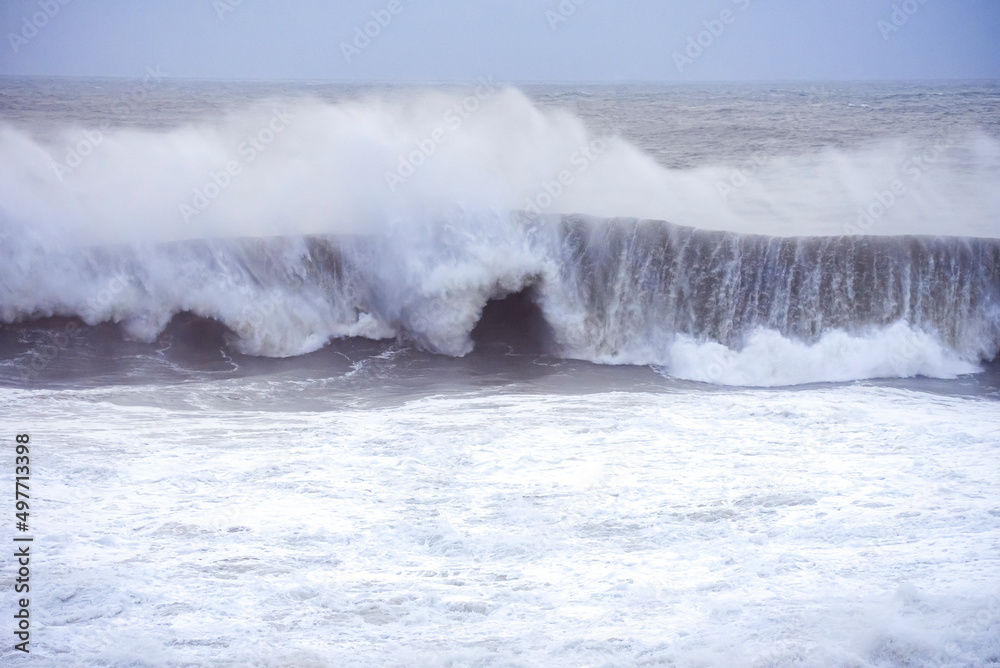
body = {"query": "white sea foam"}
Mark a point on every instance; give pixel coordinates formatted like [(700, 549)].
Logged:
[(769, 359), (841, 526)]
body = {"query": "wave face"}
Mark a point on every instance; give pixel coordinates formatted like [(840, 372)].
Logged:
[(402, 218), (642, 281), (758, 310), (705, 305)]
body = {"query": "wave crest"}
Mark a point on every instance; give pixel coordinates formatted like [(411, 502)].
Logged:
[(614, 291)]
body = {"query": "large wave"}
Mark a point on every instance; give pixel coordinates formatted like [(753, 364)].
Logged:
[(618, 291), (295, 224)]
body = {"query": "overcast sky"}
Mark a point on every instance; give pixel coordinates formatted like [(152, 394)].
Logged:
[(512, 40)]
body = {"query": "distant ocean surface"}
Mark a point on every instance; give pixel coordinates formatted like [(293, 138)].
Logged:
[(331, 375)]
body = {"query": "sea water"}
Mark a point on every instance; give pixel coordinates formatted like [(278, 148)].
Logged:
[(438, 376)]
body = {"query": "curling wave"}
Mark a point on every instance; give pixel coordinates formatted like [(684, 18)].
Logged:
[(714, 306)]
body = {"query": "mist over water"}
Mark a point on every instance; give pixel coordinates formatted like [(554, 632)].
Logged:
[(359, 164)]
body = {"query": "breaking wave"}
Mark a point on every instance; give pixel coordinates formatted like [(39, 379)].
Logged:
[(330, 229), (715, 306)]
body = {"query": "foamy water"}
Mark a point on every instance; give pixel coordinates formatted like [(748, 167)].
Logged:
[(845, 526)]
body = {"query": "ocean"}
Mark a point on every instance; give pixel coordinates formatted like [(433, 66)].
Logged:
[(321, 374)]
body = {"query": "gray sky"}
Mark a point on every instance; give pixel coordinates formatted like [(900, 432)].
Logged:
[(512, 40)]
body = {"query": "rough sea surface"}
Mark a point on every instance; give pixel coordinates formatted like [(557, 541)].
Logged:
[(322, 375)]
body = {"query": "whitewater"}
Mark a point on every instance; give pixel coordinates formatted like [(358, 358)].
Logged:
[(462, 376)]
